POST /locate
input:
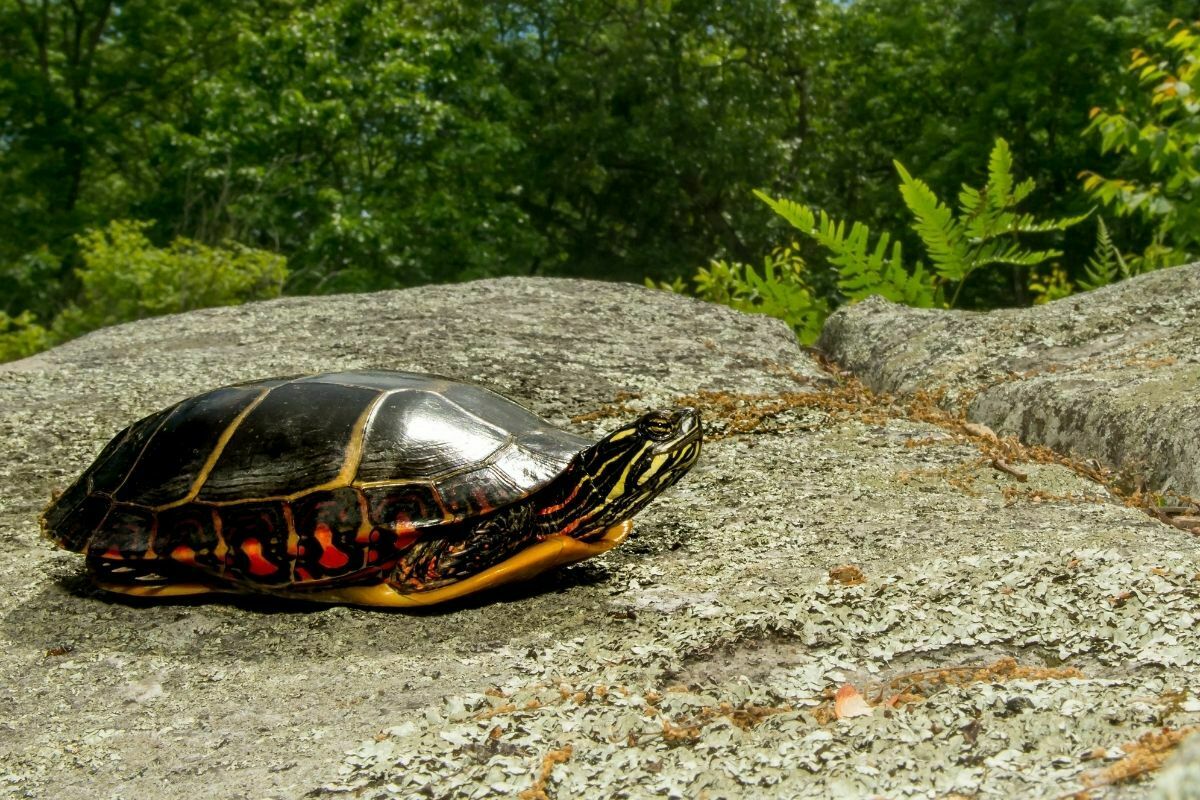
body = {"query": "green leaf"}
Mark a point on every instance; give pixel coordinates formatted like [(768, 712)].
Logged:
[(1000, 166), (935, 224), (125, 277), (1158, 132), (1106, 264), (798, 216)]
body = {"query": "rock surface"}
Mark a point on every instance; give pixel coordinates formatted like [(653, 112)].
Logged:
[(1112, 374), (697, 656)]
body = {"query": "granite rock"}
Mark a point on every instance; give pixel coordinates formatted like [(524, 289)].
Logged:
[(1040, 625), (1112, 374)]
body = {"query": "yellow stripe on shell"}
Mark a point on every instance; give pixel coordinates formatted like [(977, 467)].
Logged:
[(211, 461)]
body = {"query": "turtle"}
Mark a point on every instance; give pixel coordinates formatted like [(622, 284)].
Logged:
[(370, 487)]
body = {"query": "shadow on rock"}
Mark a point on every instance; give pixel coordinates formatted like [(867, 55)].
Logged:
[(70, 615)]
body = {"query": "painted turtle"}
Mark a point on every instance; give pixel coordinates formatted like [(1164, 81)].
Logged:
[(372, 488)]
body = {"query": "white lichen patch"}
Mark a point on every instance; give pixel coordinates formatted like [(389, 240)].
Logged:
[(634, 731)]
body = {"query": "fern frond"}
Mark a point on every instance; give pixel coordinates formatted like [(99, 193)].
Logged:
[(935, 224), (797, 215), (919, 290), (970, 201), (848, 252), (1106, 264), (1000, 173), (1000, 252), (1025, 223), (863, 270), (1023, 190)]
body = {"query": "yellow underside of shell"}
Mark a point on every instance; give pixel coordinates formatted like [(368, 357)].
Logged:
[(553, 551)]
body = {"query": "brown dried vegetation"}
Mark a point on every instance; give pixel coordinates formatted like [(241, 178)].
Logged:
[(847, 575), (730, 414), (538, 790), (1138, 758), (916, 687), (685, 730)]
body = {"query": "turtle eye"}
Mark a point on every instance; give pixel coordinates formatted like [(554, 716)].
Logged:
[(656, 426)]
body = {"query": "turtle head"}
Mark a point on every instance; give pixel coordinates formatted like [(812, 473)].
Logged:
[(581, 513), (616, 477)]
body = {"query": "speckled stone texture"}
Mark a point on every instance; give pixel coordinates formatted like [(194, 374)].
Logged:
[(632, 675), (1112, 374)]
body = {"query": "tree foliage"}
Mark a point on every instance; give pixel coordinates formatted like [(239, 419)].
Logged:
[(125, 277), (378, 143), (21, 336), (933, 83), (986, 231), (83, 88), (1158, 135)]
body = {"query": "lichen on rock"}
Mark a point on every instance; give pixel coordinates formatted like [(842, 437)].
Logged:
[(701, 655)]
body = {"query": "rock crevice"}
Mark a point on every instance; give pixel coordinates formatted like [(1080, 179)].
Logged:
[(1112, 375)]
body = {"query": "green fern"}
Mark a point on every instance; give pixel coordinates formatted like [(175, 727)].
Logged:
[(944, 237), (862, 270), (985, 230), (983, 233), (780, 290), (1106, 265)]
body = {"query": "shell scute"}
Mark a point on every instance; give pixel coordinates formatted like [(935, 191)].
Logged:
[(256, 535), (188, 535), (112, 467), (401, 508), (298, 437), (377, 379), (173, 460), (128, 532), (499, 411), (523, 467), (419, 435), (478, 491), (331, 534)]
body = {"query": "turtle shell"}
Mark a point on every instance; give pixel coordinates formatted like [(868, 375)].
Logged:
[(309, 479)]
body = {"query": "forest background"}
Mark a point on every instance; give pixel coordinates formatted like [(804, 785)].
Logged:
[(156, 157)]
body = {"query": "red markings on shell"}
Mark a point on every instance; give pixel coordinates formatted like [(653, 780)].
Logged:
[(331, 557), (406, 532), (258, 565), (184, 555)]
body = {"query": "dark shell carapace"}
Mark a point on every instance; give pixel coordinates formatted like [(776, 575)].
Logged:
[(308, 480)]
